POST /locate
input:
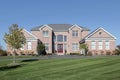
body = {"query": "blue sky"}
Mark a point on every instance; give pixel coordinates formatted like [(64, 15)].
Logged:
[(87, 13)]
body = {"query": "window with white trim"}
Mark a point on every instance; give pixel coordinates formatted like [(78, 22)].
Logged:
[(107, 45), (100, 46), (46, 33), (22, 48), (93, 45), (75, 33), (47, 46), (59, 38), (65, 38), (74, 46), (29, 45)]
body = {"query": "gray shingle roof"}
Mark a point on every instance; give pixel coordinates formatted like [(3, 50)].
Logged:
[(58, 27)]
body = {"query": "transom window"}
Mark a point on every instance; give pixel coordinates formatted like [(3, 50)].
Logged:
[(45, 33), (75, 33)]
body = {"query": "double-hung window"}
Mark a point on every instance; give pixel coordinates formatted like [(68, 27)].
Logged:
[(60, 38), (75, 33), (93, 45), (75, 46), (46, 46), (29, 45), (65, 38), (100, 46), (46, 33), (107, 45)]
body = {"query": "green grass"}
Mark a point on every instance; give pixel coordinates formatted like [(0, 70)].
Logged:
[(11, 57), (99, 68)]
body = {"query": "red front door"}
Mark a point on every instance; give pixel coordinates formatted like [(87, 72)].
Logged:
[(60, 48)]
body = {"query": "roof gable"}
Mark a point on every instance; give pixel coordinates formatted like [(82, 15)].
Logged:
[(100, 33), (75, 26), (28, 35), (44, 26)]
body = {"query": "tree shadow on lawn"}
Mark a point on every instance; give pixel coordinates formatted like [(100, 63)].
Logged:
[(11, 66), (17, 65), (29, 60)]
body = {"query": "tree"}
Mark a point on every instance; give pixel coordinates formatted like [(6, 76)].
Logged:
[(0, 47), (15, 39), (41, 49), (84, 48), (117, 50)]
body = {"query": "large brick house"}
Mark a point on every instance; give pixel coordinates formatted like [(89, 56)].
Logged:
[(66, 38)]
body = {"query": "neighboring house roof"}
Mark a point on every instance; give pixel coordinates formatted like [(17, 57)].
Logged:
[(89, 35), (58, 27)]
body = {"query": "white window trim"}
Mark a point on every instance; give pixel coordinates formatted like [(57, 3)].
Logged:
[(100, 45), (64, 38), (107, 45), (45, 33), (75, 32), (47, 46), (75, 46), (29, 45), (22, 48), (93, 45)]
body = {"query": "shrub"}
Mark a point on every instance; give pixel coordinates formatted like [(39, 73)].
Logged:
[(117, 52), (102, 52), (74, 53), (41, 49), (108, 52), (89, 53), (3, 52)]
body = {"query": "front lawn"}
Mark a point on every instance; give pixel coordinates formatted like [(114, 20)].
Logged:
[(99, 68)]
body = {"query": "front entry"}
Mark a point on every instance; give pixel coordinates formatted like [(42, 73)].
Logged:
[(60, 48)]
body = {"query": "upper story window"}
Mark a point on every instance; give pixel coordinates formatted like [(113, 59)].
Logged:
[(65, 38), (60, 38), (75, 33), (45, 33)]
